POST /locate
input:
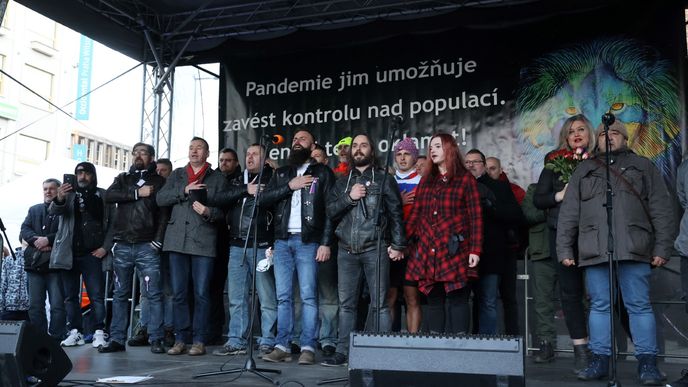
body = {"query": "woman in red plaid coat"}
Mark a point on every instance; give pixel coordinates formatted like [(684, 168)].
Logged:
[(446, 222)]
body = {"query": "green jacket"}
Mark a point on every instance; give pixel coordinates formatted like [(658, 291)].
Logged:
[(643, 221), (538, 232)]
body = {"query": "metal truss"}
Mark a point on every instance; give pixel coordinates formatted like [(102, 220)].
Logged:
[(156, 112), (173, 22)]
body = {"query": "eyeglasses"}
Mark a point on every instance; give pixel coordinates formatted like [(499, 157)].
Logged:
[(140, 152), (471, 162)]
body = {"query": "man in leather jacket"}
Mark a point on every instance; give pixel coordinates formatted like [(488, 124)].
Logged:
[(303, 234), (242, 267), (352, 204), (138, 234)]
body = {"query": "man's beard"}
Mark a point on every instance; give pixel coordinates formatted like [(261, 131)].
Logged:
[(298, 157), (365, 161), (138, 163)]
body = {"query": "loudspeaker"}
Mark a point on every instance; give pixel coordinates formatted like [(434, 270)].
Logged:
[(394, 359), (25, 351)]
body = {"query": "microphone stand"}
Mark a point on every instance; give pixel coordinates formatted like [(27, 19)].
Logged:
[(9, 246), (250, 364), (607, 120), (396, 123)]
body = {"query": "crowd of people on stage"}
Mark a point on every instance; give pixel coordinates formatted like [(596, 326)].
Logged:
[(430, 235)]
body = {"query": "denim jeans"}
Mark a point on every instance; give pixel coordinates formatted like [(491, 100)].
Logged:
[(239, 278), (684, 279), (349, 267), (167, 293), (146, 259), (293, 255), (328, 301), (39, 284), (634, 282), (91, 269), (488, 286), (167, 296), (328, 304), (197, 268)]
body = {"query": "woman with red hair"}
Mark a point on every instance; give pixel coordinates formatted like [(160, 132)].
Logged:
[(446, 222)]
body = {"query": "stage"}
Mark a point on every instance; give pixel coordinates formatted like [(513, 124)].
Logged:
[(89, 365)]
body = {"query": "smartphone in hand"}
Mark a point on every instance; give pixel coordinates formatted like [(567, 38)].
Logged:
[(69, 178)]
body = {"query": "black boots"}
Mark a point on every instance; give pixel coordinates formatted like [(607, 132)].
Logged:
[(546, 352), (598, 368), (581, 357)]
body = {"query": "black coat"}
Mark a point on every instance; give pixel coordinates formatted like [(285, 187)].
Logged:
[(239, 214), (38, 223), (138, 220), (316, 227), (501, 213), (355, 225), (547, 186)]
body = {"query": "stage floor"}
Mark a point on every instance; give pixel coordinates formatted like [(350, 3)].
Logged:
[(89, 365)]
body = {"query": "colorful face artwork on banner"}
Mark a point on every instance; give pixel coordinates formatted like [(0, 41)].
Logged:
[(622, 76)]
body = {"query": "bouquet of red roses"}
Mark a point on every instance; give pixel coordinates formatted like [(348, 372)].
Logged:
[(565, 161)]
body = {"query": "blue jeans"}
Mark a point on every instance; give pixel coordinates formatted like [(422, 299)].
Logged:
[(91, 269), (350, 266), (294, 255), (239, 279), (328, 301), (184, 267), (488, 287), (634, 282), (39, 284), (167, 296), (146, 259), (684, 279)]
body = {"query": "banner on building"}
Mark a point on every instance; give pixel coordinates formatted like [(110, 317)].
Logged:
[(83, 86)]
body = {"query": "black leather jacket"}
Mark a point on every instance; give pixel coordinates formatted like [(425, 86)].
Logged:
[(239, 214), (138, 219), (356, 226), (316, 226)]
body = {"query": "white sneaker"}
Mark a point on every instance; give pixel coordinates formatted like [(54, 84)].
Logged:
[(74, 338), (99, 339)]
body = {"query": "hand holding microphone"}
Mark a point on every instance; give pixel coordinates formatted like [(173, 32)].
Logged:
[(358, 192)]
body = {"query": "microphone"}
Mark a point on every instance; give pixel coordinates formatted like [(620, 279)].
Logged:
[(361, 203), (608, 118), (276, 139)]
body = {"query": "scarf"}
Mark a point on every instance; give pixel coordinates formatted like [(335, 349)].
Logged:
[(196, 176)]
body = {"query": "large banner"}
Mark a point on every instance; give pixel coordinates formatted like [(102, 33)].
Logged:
[(499, 79)]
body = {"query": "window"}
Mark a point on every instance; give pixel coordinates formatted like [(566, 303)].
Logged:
[(33, 151), (41, 28), (39, 81)]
